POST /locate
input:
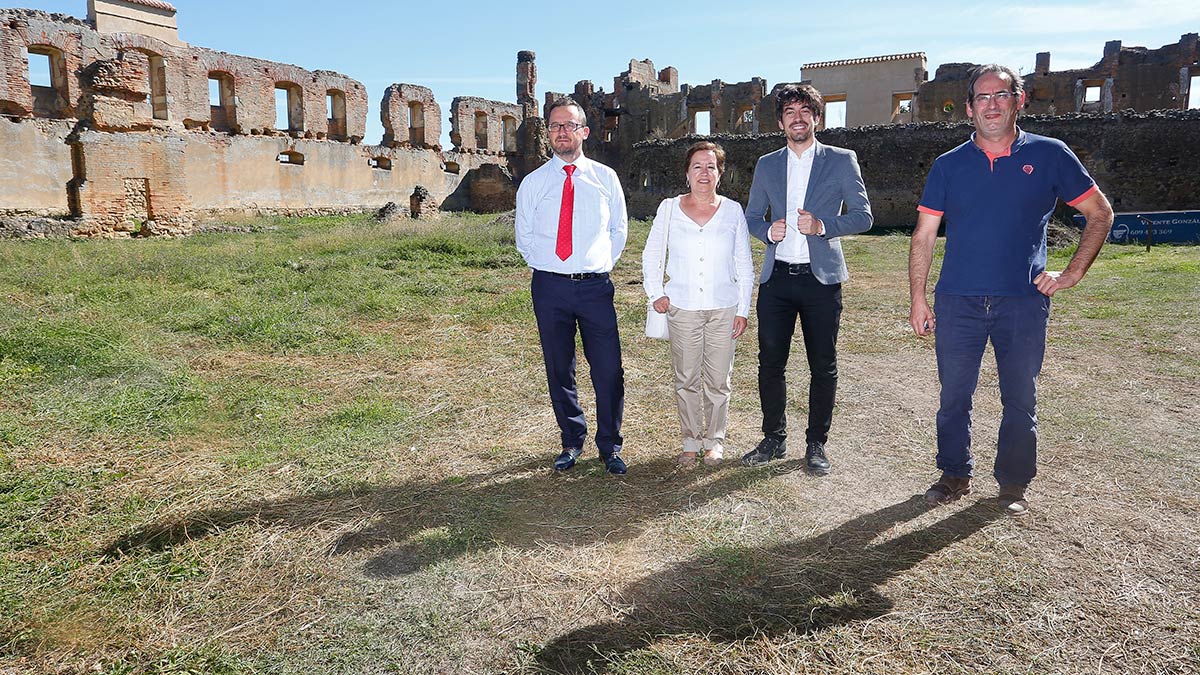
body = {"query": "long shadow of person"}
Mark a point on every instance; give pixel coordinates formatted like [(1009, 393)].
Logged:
[(798, 587), (418, 523)]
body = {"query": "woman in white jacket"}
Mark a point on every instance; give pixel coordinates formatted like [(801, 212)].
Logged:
[(706, 297)]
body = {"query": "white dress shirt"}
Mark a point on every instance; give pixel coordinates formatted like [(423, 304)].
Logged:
[(599, 226), (794, 247), (708, 267)]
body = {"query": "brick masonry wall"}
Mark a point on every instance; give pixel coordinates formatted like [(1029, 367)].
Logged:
[(1142, 161)]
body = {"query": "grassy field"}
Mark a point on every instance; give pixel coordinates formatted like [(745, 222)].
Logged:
[(324, 448)]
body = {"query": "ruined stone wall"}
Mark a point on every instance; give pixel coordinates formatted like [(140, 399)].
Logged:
[(732, 108), (110, 74), (35, 166), (411, 117), (1126, 78), (478, 125), (141, 149), (131, 183), (140, 183), (1142, 161)]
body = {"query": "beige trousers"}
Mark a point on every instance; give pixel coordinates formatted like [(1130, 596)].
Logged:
[(702, 355)]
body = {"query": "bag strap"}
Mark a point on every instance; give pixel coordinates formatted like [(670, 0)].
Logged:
[(662, 263)]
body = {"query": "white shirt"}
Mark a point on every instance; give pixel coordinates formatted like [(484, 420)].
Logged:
[(599, 225), (709, 267), (794, 247)]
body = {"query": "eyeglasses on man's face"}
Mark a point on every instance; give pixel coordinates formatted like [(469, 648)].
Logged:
[(569, 127), (1000, 97)]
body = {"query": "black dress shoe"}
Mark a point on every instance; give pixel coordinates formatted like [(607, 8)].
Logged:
[(567, 459), (614, 464), (815, 460), (767, 450)]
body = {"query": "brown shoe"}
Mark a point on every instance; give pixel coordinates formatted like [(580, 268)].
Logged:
[(947, 489), (1012, 498)]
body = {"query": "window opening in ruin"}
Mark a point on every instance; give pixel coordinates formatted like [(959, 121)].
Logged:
[(335, 107), (702, 122), (47, 80), (1091, 93), (902, 110), (158, 87), (289, 107), (450, 167), (835, 111), (481, 130), (221, 103), (748, 116), (1194, 92), (510, 133), (384, 163), (290, 157), (416, 123), (39, 70)]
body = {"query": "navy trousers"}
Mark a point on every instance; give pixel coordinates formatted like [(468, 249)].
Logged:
[(1017, 328), (560, 304)]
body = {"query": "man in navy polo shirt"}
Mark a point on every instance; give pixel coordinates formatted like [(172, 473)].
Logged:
[(996, 192)]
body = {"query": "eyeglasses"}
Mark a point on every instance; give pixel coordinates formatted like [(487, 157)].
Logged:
[(1000, 97), (571, 127)]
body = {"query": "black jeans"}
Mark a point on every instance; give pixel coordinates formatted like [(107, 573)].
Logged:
[(792, 291)]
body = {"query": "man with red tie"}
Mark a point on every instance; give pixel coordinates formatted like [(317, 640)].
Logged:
[(571, 227)]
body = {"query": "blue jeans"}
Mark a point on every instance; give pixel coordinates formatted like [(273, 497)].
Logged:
[(1016, 325)]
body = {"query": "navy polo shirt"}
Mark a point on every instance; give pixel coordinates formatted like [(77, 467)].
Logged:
[(996, 208)]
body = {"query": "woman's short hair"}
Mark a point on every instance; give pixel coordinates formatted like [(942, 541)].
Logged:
[(701, 147)]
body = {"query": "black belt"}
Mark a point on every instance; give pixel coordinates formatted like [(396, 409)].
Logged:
[(793, 269), (578, 276)]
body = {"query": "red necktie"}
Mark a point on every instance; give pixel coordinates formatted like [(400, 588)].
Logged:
[(565, 215)]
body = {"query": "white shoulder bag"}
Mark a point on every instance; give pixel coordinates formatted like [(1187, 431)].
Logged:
[(656, 323)]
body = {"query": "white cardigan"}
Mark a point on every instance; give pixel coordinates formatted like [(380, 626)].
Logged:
[(708, 267)]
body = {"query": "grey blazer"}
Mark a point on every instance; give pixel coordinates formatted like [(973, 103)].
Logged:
[(835, 181)]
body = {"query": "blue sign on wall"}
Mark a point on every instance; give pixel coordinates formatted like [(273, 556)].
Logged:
[(1168, 227)]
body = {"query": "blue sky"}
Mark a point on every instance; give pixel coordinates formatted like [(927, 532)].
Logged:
[(469, 48)]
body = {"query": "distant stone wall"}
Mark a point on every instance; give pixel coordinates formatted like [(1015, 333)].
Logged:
[(1142, 161), (140, 133)]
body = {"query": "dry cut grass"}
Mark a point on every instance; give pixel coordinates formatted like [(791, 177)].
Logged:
[(324, 448)]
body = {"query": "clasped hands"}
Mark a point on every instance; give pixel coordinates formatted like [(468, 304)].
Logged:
[(806, 223), (662, 304)]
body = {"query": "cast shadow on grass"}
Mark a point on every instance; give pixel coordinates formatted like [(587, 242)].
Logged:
[(410, 525), (796, 588)]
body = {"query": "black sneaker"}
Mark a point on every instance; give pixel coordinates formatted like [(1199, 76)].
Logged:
[(567, 459), (815, 460), (767, 450)]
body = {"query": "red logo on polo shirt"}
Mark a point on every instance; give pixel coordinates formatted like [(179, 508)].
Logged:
[(1028, 169)]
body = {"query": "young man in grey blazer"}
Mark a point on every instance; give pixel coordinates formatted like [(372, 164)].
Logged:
[(803, 186)]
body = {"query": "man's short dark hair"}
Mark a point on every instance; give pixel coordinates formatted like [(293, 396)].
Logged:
[(977, 72), (805, 94), (565, 102)]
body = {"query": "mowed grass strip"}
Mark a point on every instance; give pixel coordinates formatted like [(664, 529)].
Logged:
[(322, 447)]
